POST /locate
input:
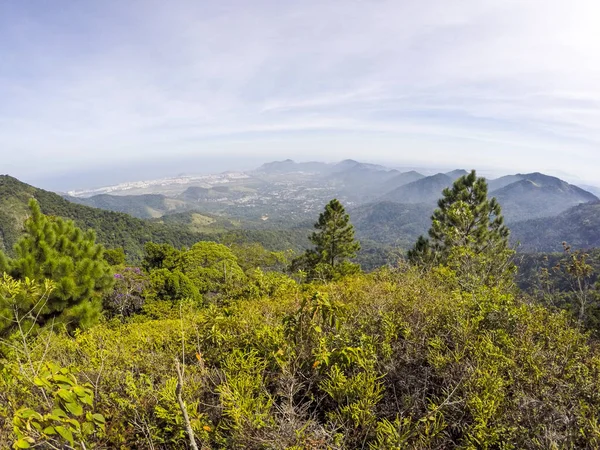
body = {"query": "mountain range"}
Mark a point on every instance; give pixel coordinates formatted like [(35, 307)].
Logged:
[(117, 229), (278, 202)]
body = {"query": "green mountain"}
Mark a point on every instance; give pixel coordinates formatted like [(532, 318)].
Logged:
[(390, 223), (401, 179), (499, 183), (113, 229), (579, 226), (116, 229), (146, 206), (426, 190), (537, 195)]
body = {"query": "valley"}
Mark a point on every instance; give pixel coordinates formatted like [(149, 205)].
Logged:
[(388, 207)]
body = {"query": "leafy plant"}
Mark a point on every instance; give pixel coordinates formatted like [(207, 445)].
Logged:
[(71, 422)]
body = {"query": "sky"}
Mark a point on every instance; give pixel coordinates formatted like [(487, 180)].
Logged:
[(125, 89)]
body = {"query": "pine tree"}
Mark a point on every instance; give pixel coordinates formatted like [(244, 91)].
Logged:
[(334, 245), (467, 231), (55, 249)]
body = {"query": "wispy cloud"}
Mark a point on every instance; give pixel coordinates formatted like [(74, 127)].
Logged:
[(511, 82)]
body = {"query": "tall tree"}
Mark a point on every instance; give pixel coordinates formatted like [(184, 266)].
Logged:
[(212, 267), (467, 231), (55, 249), (334, 245)]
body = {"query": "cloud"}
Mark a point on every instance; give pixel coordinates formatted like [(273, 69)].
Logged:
[(84, 84)]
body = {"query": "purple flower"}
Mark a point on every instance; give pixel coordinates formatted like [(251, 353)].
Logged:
[(118, 275)]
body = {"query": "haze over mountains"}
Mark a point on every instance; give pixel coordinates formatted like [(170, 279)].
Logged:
[(387, 206), (523, 196)]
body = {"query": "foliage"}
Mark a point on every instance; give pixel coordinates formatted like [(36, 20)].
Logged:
[(70, 422), (578, 225), (160, 256), (468, 234), (115, 256), (334, 246), (207, 267), (129, 293), (171, 285), (251, 256), (55, 249), (402, 357), (567, 281), (395, 359), (21, 303), (212, 267)]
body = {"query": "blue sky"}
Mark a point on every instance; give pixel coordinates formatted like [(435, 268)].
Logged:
[(510, 84)]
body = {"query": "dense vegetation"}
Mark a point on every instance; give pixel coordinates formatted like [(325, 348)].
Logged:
[(221, 346), (117, 230), (578, 225), (334, 246)]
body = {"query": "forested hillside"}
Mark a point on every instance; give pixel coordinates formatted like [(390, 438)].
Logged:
[(579, 225), (392, 224), (121, 230), (113, 229), (142, 206), (237, 346), (536, 195)]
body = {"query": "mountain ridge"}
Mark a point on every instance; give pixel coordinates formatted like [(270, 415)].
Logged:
[(579, 226)]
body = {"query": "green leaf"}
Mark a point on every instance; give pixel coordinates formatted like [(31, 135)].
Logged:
[(99, 418), (50, 431), (81, 391), (40, 382), (29, 413), (74, 408), (58, 415), (67, 396), (22, 443), (87, 428), (75, 423), (63, 379), (65, 433), (87, 400)]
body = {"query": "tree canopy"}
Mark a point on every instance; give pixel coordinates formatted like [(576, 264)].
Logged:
[(334, 245), (467, 232), (56, 250), (216, 347)]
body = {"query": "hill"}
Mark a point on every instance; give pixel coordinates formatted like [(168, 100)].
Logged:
[(501, 182), (145, 206), (456, 174), (279, 167), (392, 223), (537, 195), (401, 179), (579, 226), (426, 190), (349, 164), (360, 182), (228, 230), (113, 229)]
